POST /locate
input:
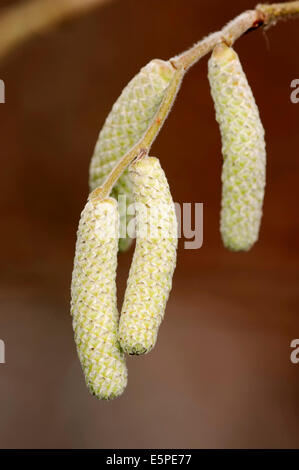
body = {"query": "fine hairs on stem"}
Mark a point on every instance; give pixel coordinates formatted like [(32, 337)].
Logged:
[(148, 138), (263, 15), (20, 22)]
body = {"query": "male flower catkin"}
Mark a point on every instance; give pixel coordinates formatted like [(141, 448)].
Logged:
[(93, 304), (125, 125), (154, 260), (243, 148)]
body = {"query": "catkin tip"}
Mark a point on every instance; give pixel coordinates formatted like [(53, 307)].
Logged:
[(136, 349), (233, 246), (107, 396), (105, 388)]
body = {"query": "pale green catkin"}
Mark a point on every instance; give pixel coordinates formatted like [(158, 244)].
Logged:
[(243, 148), (93, 304), (154, 260), (128, 120)]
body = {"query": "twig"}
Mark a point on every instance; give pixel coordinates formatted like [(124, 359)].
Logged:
[(278, 11), (148, 138), (18, 23), (264, 15), (229, 34)]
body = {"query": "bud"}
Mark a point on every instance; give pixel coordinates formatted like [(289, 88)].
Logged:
[(243, 149), (93, 304), (154, 260)]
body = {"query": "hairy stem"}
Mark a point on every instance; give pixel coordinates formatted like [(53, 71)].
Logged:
[(19, 22), (263, 15), (229, 34), (144, 144), (278, 11)]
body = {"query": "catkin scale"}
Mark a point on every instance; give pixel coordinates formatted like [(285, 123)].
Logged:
[(93, 302), (243, 149), (154, 259), (125, 125)]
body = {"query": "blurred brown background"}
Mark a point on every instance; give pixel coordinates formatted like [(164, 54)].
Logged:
[(220, 375)]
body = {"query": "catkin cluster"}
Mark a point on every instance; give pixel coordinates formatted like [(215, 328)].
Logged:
[(93, 304), (123, 128), (101, 337), (243, 148)]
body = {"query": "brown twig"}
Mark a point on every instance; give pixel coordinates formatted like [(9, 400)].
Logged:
[(264, 15), (148, 138), (20, 22), (278, 11)]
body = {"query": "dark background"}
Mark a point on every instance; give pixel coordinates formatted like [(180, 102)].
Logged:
[(220, 375)]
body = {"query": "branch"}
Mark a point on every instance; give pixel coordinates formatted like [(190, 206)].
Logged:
[(34, 16), (144, 144), (263, 15), (278, 11), (19, 22), (229, 34)]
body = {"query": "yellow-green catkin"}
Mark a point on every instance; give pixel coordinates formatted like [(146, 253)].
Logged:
[(128, 120), (243, 148), (93, 303), (154, 259)]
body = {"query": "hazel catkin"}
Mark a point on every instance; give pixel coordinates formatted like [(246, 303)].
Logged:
[(93, 303), (123, 128), (154, 259), (243, 149)]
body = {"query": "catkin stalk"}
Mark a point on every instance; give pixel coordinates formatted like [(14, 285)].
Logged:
[(93, 304), (154, 259), (243, 149), (128, 120)]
